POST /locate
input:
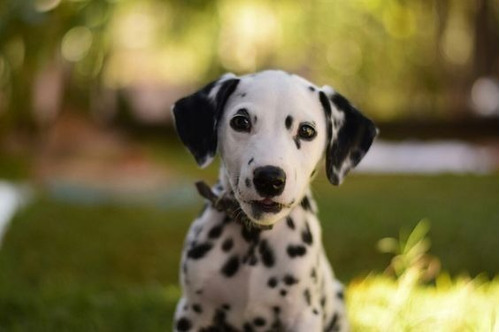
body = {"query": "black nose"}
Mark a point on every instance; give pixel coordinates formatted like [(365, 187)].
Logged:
[(269, 181)]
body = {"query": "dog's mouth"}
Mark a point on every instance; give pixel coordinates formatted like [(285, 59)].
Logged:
[(267, 205)]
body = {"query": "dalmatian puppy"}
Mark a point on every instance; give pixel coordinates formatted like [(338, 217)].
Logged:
[(258, 264)]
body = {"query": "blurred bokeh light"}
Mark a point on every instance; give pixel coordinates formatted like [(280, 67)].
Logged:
[(398, 60)]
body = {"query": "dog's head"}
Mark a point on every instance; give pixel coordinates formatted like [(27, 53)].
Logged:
[(272, 129)]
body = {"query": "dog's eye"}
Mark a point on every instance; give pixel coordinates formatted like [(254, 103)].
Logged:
[(240, 123), (307, 132)]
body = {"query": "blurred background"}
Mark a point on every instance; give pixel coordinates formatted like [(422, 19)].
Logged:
[(96, 192)]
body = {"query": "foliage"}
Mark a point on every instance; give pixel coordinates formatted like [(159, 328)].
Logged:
[(382, 303), (410, 254), (402, 58)]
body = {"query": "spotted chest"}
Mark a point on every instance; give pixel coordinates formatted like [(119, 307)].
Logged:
[(255, 278)]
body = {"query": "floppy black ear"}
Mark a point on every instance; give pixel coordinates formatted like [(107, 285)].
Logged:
[(196, 117), (350, 135)]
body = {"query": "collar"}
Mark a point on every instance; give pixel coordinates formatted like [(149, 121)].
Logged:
[(228, 205)]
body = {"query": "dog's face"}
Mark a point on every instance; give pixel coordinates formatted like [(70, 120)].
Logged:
[(271, 130), (271, 136)]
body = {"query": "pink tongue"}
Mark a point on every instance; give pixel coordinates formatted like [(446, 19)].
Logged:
[(267, 201)]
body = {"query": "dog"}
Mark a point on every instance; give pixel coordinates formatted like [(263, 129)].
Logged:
[(253, 260)]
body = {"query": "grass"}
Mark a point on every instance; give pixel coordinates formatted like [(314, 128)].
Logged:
[(379, 303), (67, 267), (462, 210)]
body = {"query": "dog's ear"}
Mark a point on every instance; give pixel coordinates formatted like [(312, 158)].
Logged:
[(350, 134), (196, 117)]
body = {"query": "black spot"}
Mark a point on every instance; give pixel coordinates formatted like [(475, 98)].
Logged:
[(248, 182), (231, 266), (247, 327), (290, 280), (290, 223), (199, 291), (322, 301), (250, 256), (199, 251), (307, 296), (311, 88), (266, 253), (315, 311), (313, 173), (197, 308), (306, 204), (277, 326), (255, 119), (314, 275), (219, 318), (296, 139), (288, 122), (183, 324), (259, 321), (227, 245), (332, 325), (209, 329), (283, 292), (243, 94), (220, 324), (252, 261), (250, 234), (226, 307), (306, 235), (215, 232), (272, 282), (250, 161), (296, 251), (340, 295)]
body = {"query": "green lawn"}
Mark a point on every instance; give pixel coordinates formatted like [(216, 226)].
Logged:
[(113, 268)]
